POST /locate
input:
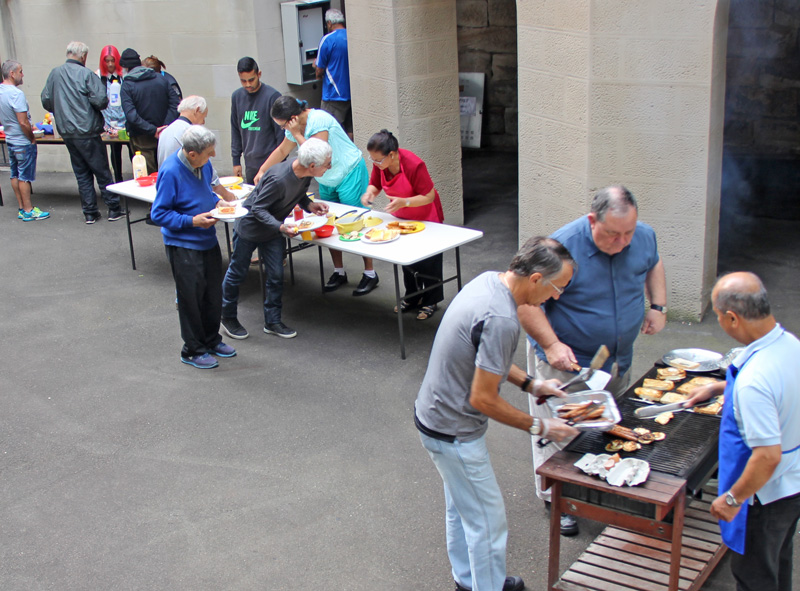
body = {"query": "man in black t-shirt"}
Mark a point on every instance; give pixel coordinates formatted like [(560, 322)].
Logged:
[(254, 134)]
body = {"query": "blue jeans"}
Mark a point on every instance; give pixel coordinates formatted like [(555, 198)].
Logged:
[(271, 252), (22, 160), (477, 530)]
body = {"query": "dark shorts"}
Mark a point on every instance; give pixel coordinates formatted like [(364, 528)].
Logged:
[(341, 111), (23, 162)]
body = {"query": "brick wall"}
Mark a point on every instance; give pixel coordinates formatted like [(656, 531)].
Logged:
[(762, 103), (487, 42)]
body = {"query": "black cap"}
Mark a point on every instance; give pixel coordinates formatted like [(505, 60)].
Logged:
[(129, 59)]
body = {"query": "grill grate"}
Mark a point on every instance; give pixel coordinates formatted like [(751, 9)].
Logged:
[(690, 445)]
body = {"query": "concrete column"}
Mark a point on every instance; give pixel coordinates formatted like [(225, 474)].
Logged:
[(404, 78), (614, 91)]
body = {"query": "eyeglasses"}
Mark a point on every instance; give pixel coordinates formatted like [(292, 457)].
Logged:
[(378, 162), (559, 290)]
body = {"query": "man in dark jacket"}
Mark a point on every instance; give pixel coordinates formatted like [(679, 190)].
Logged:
[(149, 104), (76, 97)]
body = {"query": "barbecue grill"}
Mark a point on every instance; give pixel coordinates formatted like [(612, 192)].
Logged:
[(688, 452), (641, 518)]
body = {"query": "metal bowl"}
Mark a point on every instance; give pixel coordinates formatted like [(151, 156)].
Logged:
[(610, 416)]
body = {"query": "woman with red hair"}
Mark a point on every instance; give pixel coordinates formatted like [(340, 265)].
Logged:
[(110, 73)]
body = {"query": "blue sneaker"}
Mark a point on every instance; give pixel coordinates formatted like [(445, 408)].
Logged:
[(223, 350), (204, 361), (27, 216), (19, 213), (38, 214)]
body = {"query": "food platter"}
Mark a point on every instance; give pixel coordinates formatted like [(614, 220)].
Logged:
[(357, 236), (239, 212), (610, 414), (704, 359), (317, 221), (368, 240), (418, 226)]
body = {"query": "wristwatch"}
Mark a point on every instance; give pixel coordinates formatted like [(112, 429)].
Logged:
[(662, 309), (730, 500), (536, 428), (526, 383)]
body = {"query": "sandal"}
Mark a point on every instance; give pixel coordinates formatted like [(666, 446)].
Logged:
[(404, 307), (426, 312)]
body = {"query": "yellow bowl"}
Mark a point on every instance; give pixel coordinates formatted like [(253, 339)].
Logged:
[(344, 226)]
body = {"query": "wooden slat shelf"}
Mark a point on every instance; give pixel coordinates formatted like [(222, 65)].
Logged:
[(621, 560)]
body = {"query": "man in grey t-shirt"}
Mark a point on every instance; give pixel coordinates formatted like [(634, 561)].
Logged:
[(472, 355)]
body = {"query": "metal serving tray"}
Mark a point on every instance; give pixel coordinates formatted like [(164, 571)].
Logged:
[(610, 416)]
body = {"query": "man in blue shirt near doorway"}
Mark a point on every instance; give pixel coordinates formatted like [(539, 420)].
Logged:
[(333, 67), (603, 305)]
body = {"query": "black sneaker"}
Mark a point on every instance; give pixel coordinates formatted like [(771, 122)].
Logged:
[(115, 214), (366, 285), (91, 217), (281, 330), (510, 584), (234, 330), (335, 282)]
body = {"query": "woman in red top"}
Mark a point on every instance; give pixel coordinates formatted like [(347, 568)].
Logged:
[(403, 176)]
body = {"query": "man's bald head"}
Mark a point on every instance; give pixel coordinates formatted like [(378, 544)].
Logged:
[(741, 293)]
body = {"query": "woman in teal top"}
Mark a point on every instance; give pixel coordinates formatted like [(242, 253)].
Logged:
[(345, 182)]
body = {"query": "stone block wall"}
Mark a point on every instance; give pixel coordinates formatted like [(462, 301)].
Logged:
[(632, 93), (487, 43), (762, 114)]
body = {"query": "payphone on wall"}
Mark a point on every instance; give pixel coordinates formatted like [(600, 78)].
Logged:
[(303, 27)]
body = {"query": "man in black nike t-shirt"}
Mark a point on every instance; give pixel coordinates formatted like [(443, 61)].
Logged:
[(253, 132)]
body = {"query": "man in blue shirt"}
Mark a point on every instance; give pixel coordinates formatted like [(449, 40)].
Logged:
[(333, 68), (184, 208), (16, 120), (603, 305), (759, 443)]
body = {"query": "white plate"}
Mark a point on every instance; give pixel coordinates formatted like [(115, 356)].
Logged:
[(317, 221), (243, 193), (368, 241), (708, 360), (240, 212), (229, 181)]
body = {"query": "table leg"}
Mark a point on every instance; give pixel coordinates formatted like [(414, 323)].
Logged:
[(128, 223), (399, 313), (228, 241), (321, 269), (458, 267), (291, 260), (679, 511), (555, 535)]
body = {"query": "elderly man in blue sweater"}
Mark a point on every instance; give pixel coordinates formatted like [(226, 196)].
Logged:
[(183, 208)]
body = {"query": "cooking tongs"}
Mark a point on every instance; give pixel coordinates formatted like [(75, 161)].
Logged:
[(589, 408), (585, 373)]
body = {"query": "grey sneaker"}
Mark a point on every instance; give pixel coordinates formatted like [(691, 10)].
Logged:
[(281, 330), (569, 527), (233, 329)]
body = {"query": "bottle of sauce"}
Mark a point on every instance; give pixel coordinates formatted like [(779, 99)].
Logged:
[(298, 213), (139, 165)]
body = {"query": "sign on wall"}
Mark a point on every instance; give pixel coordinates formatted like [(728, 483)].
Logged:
[(470, 93)]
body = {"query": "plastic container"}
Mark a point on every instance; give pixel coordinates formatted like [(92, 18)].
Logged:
[(324, 231), (146, 181), (113, 94), (139, 165), (298, 213)]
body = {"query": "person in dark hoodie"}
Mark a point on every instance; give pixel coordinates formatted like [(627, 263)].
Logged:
[(149, 104)]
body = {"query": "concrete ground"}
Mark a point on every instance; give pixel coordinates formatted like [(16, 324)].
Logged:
[(294, 465)]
